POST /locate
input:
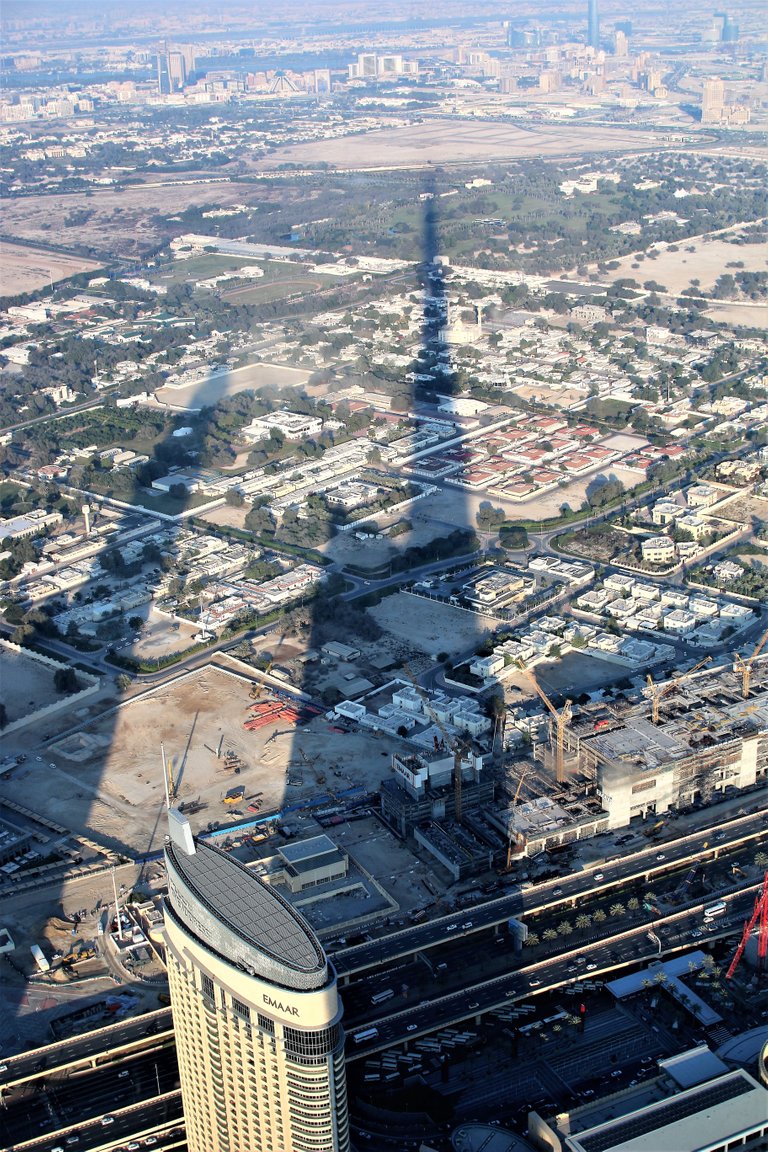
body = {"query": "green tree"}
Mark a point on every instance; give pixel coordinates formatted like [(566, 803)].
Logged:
[(65, 680)]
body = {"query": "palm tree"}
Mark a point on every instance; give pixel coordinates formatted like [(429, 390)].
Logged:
[(650, 898), (598, 916), (532, 939), (583, 921), (617, 910), (565, 928), (761, 860), (633, 904), (550, 934)]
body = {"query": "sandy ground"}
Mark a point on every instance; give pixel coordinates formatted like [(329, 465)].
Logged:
[(430, 626), (705, 263), (120, 221), (24, 269), (227, 383), (107, 781), (703, 259), (455, 142)]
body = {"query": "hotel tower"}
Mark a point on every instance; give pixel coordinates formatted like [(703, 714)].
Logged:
[(255, 1008)]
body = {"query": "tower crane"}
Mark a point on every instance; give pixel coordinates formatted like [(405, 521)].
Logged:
[(559, 723), (760, 918), (745, 666), (658, 692), (514, 835)]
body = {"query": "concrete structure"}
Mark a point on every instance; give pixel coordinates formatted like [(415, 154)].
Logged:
[(730, 1111), (256, 1010), (712, 101), (644, 769)]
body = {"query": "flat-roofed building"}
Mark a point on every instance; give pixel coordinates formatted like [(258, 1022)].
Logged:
[(728, 1112), (256, 1010)]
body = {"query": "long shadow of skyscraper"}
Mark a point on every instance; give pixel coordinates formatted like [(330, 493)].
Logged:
[(431, 375)]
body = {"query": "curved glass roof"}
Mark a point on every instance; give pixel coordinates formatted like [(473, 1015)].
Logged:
[(238, 902)]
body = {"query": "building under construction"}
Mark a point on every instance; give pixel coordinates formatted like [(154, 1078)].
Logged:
[(709, 741), (424, 800)]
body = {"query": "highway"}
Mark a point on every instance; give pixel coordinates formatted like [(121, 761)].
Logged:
[(560, 893), (128, 1069), (589, 960)]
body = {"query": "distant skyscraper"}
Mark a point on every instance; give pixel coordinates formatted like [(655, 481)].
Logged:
[(712, 101), (593, 25), (620, 45), (163, 75), (255, 1007)]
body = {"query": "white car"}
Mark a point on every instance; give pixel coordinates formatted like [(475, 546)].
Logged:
[(411, 1027)]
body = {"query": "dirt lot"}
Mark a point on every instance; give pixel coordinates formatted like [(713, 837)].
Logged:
[(220, 384), (455, 142), (25, 269), (120, 220), (704, 260), (430, 626), (107, 780)]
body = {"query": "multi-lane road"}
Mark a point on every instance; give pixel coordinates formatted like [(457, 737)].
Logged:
[(559, 894), (127, 1070)]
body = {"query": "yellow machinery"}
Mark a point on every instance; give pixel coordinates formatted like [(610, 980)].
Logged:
[(745, 666), (560, 721), (658, 692)]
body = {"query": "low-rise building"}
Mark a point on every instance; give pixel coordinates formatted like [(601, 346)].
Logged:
[(658, 550)]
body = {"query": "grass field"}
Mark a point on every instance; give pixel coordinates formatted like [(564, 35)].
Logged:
[(279, 279)]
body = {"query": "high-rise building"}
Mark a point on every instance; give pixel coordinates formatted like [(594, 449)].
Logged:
[(255, 1008), (177, 70), (620, 44), (163, 76), (593, 25), (712, 101)]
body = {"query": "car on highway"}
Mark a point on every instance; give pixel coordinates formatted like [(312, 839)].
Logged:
[(591, 967), (107, 1120), (411, 1027), (598, 876), (534, 983), (452, 928), (660, 856), (150, 1140), (557, 891), (474, 1004), (696, 933), (122, 1075)]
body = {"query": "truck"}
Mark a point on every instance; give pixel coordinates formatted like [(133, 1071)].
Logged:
[(235, 795)]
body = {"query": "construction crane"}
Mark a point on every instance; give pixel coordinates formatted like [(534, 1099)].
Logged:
[(745, 666), (258, 687), (759, 917), (168, 780), (456, 746), (657, 693), (559, 723), (514, 835)]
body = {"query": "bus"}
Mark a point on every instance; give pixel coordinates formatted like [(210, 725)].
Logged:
[(718, 909), (380, 997), (365, 1034)]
